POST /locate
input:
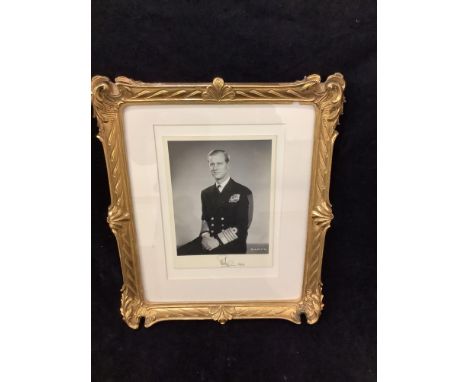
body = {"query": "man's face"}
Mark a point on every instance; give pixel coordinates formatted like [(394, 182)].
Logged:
[(218, 166)]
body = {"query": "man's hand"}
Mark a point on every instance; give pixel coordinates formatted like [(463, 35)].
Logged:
[(209, 243)]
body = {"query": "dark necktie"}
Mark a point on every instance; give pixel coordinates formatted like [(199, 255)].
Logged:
[(219, 188)]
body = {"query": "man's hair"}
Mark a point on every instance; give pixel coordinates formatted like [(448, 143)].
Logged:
[(227, 158)]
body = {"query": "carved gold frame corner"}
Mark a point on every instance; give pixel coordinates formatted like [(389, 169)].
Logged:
[(109, 97)]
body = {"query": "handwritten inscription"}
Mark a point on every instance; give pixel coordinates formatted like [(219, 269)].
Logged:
[(224, 261)]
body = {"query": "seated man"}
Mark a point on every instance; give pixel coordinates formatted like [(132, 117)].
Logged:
[(227, 209)]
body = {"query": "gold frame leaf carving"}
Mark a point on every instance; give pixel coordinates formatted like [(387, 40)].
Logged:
[(328, 98)]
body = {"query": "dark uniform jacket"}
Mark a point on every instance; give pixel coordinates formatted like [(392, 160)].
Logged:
[(230, 208)]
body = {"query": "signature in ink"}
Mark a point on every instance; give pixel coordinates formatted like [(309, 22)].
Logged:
[(225, 262)]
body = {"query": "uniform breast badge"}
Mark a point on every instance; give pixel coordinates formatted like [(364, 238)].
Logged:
[(234, 198)]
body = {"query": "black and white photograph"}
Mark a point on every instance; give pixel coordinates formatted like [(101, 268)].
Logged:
[(221, 195)]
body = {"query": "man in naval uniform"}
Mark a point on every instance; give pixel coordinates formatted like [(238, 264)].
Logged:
[(227, 209)]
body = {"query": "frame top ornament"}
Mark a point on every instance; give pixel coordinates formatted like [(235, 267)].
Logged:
[(310, 89)]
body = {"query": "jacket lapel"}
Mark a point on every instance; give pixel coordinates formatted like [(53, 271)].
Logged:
[(228, 188)]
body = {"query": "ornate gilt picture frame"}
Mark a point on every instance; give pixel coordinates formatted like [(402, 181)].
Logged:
[(111, 99)]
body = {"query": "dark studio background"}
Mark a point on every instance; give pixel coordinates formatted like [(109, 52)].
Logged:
[(261, 41)]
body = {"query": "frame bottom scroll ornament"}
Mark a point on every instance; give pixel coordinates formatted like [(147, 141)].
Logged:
[(133, 310), (108, 98)]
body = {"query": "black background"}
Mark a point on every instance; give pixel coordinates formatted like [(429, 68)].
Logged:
[(261, 41)]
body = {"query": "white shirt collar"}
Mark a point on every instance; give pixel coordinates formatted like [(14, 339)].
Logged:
[(223, 184)]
